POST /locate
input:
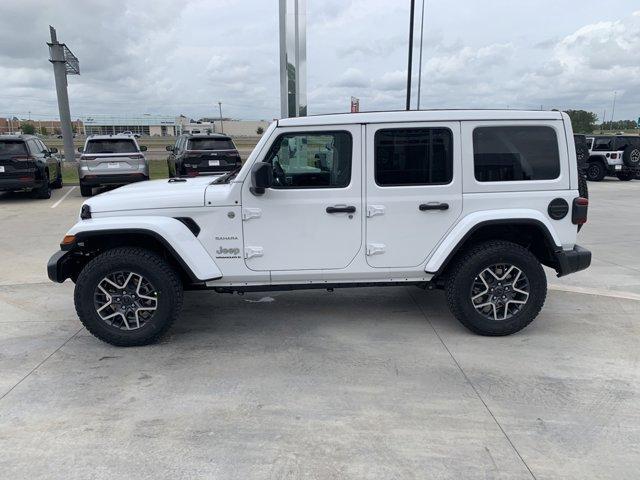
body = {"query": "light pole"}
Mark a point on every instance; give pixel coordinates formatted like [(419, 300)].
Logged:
[(410, 60), (613, 109), (64, 63), (221, 126), (420, 63)]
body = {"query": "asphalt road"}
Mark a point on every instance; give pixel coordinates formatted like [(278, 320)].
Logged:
[(363, 383)]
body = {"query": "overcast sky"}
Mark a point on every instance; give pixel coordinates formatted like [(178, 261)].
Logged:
[(172, 57)]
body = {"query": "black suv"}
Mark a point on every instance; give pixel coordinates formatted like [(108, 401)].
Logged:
[(28, 164), (202, 155)]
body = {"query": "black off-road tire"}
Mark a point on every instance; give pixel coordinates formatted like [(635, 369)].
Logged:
[(85, 190), (631, 157), (141, 261), (583, 190), (596, 171), (625, 176), (43, 191), (469, 264)]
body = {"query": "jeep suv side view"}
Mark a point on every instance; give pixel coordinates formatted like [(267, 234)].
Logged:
[(28, 164), (614, 155), (111, 160), (202, 155), (472, 202)]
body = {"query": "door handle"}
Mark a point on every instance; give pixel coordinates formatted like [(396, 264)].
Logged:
[(341, 209), (433, 206)]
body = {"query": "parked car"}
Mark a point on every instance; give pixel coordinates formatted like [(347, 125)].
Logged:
[(203, 154), (26, 163), (111, 160), (613, 155), (473, 202), (129, 132)]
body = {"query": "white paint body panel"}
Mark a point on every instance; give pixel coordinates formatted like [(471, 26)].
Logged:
[(173, 231), (290, 239)]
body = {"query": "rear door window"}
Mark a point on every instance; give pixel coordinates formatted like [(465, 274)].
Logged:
[(210, 144), (9, 148), (602, 144), (111, 146), (515, 153)]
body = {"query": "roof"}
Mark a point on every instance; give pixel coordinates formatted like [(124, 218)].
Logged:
[(207, 135), (17, 137), (420, 116), (117, 136)]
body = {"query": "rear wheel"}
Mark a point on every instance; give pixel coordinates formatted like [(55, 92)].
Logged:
[(128, 296), (596, 171), (57, 183), (44, 191), (85, 190), (496, 288), (625, 176)]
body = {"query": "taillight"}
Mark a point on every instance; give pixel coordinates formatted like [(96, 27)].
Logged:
[(579, 211), (85, 157), (136, 157), (23, 158)]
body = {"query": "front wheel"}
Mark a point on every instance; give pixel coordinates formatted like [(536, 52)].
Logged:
[(85, 190), (496, 288), (128, 296)]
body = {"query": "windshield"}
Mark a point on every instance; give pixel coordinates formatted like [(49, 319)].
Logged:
[(12, 147), (111, 146), (210, 144)]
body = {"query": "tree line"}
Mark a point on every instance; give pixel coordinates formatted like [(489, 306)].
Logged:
[(583, 121)]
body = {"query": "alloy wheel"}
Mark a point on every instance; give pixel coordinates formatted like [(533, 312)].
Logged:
[(500, 291), (125, 300)]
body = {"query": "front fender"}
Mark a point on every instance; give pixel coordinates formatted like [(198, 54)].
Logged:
[(469, 223), (172, 233)]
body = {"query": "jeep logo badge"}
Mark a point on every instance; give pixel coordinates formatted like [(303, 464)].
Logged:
[(227, 252)]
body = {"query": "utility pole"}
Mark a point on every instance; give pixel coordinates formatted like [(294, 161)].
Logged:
[(64, 63), (410, 61), (293, 58), (221, 126), (604, 114), (420, 64)]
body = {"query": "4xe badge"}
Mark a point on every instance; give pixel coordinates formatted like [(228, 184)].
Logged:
[(227, 252)]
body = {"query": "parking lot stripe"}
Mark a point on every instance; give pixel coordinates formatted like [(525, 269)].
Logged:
[(595, 291), (63, 197)]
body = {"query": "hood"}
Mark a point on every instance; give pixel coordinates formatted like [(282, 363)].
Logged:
[(153, 194)]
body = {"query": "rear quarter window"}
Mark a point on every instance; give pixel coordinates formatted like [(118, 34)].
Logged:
[(111, 146), (210, 144), (515, 153), (12, 147)]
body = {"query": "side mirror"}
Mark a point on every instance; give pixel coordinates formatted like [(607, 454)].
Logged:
[(53, 150), (143, 148), (80, 149), (261, 178), (169, 148)]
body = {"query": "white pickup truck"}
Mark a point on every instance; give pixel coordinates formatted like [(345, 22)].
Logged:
[(474, 202)]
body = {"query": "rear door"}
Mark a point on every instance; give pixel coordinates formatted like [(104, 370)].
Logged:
[(212, 154), (112, 155), (14, 158), (413, 190)]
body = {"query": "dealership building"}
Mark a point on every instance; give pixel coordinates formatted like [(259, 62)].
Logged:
[(154, 125)]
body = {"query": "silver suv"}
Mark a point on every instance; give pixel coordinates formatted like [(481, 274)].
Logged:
[(111, 160)]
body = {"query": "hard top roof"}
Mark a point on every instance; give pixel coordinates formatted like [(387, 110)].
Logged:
[(419, 116)]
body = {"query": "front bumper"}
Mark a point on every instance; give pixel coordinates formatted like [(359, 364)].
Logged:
[(62, 265), (571, 261), (119, 179)]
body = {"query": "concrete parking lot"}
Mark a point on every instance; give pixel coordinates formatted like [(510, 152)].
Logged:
[(364, 383)]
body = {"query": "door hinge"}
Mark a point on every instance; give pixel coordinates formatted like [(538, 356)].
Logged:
[(250, 252), (373, 210), (248, 213), (375, 248)]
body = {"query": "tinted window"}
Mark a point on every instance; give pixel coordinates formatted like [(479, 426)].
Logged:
[(12, 147), (34, 148), (210, 144), (413, 156), (602, 144), (111, 146), (311, 160), (515, 153)]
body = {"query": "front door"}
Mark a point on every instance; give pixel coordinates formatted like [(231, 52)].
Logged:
[(413, 190), (311, 219)]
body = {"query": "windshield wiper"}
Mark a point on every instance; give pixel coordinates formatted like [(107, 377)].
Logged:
[(226, 178)]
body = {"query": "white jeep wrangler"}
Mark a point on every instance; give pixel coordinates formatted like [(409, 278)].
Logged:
[(474, 202)]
